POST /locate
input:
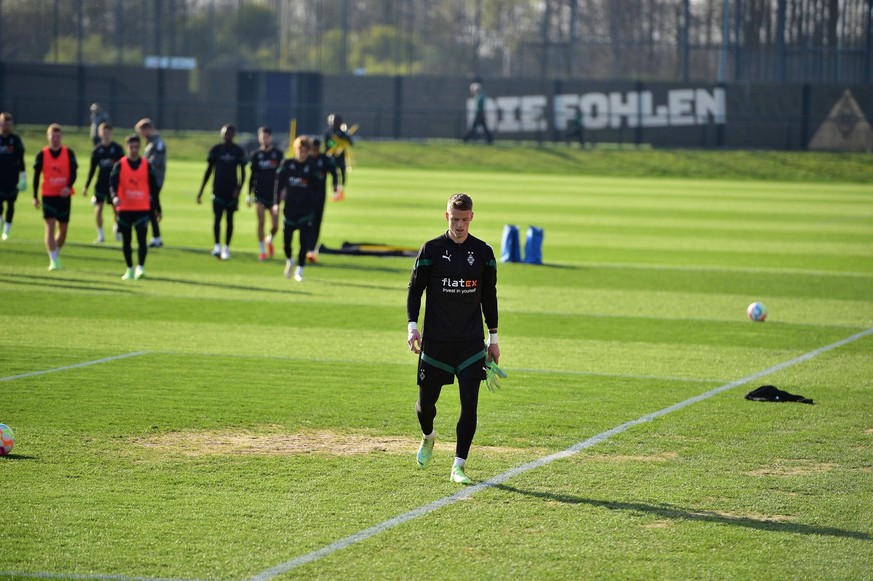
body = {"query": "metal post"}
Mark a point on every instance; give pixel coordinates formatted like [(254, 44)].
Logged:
[(119, 32), (686, 26), (80, 31), (738, 32), (780, 40), (57, 31), (869, 48), (477, 25), (172, 30), (571, 53), (547, 14), (158, 26), (725, 41)]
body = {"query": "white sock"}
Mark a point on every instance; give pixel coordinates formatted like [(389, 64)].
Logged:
[(268, 239), (100, 232), (430, 436), (6, 227), (299, 270), (225, 248), (459, 462), (263, 247), (218, 247), (53, 255)]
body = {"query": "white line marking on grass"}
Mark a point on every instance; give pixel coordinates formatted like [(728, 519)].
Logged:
[(538, 463), (74, 366)]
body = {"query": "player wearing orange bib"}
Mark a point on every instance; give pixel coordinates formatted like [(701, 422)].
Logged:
[(135, 192), (57, 165)]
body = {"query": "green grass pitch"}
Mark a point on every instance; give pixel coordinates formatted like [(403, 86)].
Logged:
[(230, 420)]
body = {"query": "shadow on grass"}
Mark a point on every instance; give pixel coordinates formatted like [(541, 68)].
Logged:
[(226, 286), (675, 513), (406, 268), (116, 250), (17, 457), (49, 281)]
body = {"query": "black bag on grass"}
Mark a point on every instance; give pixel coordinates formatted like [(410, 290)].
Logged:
[(772, 393)]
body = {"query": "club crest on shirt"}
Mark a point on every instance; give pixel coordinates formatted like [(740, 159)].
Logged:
[(470, 259)]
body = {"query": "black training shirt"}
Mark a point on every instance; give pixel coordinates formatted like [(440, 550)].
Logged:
[(11, 162), (264, 166), (461, 285), (104, 158), (226, 159)]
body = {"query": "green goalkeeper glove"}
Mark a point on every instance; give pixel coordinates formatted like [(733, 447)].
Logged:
[(493, 375), (22, 181)]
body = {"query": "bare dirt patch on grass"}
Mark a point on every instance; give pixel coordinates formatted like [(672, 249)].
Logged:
[(787, 468), (662, 457), (271, 443)]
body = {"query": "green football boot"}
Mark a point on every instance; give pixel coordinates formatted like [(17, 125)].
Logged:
[(458, 476), (425, 451)]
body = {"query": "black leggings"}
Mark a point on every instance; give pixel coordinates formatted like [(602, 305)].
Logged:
[(10, 209), (316, 223), (141, 226), (216, 225), (305, 232), (425, 407), (156, 229)]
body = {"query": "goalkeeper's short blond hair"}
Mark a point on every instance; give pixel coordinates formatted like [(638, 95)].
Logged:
[(460, 202)]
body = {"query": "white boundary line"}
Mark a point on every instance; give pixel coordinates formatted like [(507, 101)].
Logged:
[(500, 478), (74, 366)]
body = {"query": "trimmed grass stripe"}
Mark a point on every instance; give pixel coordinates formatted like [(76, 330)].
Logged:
[(216, 419), (539, 463)]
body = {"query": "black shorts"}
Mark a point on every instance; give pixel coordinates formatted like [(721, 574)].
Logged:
[(297, 222), (441, 361), (56, 207), (128, 219), (265, 202), (9, 196), (102, 197), (220, 204)]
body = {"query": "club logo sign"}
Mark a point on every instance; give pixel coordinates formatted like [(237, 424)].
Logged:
[(846, 128), (598, 110)]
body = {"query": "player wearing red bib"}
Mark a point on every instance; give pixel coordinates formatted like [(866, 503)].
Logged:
[(135, 191), (57, 165)]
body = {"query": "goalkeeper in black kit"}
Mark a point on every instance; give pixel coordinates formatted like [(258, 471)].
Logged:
[(458, 272)]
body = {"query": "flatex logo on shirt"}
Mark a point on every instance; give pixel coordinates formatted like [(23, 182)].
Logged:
[(460, 285)]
